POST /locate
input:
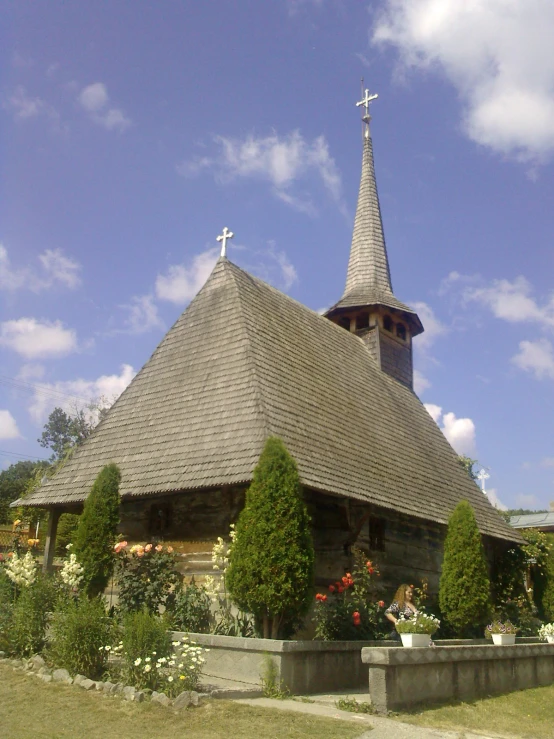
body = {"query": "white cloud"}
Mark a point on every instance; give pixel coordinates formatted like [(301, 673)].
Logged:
[(142, 315), (421, 383), (94, 99), (434, 328), (495, 501), (547, 462), (56, 268), (459, 432), (280, 161), (536, 357), (513, 301), (8, 426), (498, 55), (31, 371), (106, 389), (33, 339), (275, 267), (435, 411), (59, 268), (180, 284), (25, 107)]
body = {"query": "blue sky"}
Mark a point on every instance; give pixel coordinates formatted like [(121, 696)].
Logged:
[(132, 132)]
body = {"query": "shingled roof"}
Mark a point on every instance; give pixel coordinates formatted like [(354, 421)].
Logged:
[(245, 361), (368, 280)]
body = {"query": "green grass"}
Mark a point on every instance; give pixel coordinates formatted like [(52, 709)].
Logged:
[(526, 713), (31, 709)]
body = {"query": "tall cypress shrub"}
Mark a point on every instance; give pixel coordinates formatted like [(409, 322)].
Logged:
[(272, 558), (95, 536), (464, 591)]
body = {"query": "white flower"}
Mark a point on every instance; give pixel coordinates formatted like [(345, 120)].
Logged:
[(137, 661), (147, 668), (170, 679), (148, 659)]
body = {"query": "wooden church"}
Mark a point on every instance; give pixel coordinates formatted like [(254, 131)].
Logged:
[(245, 361)]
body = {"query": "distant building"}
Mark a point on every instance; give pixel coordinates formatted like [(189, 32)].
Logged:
[(540, 521)]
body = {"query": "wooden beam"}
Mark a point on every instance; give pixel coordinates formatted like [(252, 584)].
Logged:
[(50, 545)]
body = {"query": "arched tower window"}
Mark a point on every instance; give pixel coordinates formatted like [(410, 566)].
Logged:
[(388, 324), (401, 331), (362, 320), (344, 322)]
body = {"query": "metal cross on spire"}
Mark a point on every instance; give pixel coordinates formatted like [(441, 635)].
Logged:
[(365, 101), (223, 238), (482, 476)]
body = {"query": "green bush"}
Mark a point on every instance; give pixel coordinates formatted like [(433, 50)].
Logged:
[(67, 528), (7, 594), (548, 592), (96, 533), (271, 568), (192, 610), (145, 577), (144, 633), (29, 617), (464, 591), (81, 629)]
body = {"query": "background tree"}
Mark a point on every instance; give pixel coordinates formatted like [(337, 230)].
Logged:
[(14, 483), (272, 559), (464, 591), (96, 532), (64, 431)]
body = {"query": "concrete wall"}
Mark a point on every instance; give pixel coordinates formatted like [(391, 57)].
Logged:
[(402, 678), (303, 666)]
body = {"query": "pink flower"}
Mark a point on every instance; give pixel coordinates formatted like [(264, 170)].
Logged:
[(159, 548), (169, 549), (119, 546), (148, 548)]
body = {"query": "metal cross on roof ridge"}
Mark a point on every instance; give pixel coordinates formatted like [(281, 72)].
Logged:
[(223, 238), (482, 475), (365, 101)]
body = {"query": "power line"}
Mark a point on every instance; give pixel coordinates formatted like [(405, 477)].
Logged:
[(23, 456), (40, 389)]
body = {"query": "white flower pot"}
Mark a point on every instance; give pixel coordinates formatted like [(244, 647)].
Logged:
[(503, 639), (415, 640), (550, 638)]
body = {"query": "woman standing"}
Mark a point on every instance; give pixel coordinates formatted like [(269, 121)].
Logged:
[(402, 606)]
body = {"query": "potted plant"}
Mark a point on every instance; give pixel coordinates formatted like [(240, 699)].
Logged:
[(547, 632), (417, 630), (501, 633)]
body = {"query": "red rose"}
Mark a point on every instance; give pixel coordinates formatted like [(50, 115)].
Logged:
[(323, 598), (371, 570), (332, 588), (381, 604), (340, 589)]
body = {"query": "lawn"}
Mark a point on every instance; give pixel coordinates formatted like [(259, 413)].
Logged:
[(31, 709), (526, 713)]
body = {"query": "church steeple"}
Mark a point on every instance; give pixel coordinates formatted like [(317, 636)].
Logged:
[(368, 305)]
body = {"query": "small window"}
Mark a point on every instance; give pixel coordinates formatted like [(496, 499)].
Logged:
[(377, 528), (388, 324), (160, 519), (362, 320), (401, 331), (344, 322)]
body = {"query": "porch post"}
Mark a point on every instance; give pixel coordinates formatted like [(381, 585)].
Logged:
[(50, 545)]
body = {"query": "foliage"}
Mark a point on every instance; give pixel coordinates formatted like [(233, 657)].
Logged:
[(467, 463), (227, 619), (350, 610), (272, 685), (546, 630), (191, 609), (354, 706), (464, 591), (144, 633), (80, 628), (170, 675), (548, 592), (29, 617), (96, 533), (64, 431), (7, 596), (499, 627), (67, 526), (419, 623), (13, 484), (271, 568), (145, 574)]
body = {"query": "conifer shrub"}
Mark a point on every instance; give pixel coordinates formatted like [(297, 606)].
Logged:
[(464, 591), (548, 593), (272, 560), (96, 533), (67, 526)]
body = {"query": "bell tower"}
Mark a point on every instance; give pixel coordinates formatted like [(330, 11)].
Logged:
[(368, 306)]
